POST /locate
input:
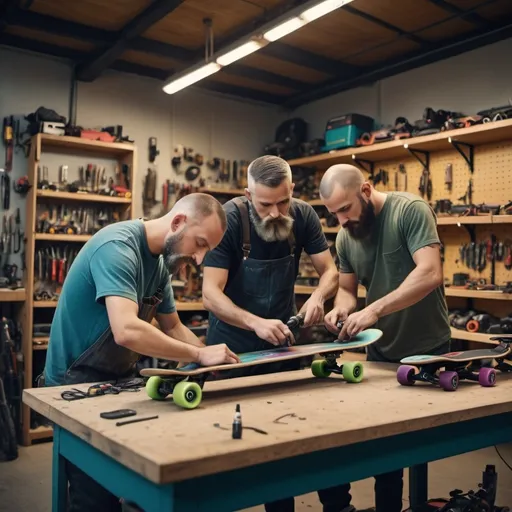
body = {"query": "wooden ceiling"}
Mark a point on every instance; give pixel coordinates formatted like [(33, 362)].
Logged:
[(361, 42)]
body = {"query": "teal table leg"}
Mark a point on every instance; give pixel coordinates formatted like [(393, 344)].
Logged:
[(418, 484), (59, 481)]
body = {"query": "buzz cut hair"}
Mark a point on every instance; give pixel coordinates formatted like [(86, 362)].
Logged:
[(199, 206), (268, 170)]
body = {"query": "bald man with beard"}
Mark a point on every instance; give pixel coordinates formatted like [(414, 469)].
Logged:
[(389, 243)]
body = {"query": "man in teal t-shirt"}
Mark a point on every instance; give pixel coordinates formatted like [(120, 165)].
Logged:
[(118, 283), (389, 244)]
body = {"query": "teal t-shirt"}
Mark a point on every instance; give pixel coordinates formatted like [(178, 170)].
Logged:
[(383, 261), (115, 261)]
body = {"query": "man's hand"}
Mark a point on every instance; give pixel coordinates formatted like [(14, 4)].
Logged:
[(334, 316), (313, 310), (216, 354), (273, 331), (357, 322)]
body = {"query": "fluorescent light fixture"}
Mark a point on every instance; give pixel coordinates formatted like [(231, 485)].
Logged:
[(322, 9), (191, 78), (238, 53), (284, 29)]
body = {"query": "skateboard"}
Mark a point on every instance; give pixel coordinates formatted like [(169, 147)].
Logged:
[(477, 365), (186, 383)]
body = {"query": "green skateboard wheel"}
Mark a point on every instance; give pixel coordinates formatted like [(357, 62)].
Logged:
[(153, 388), (319, 368), (187, 394), (353, 371)]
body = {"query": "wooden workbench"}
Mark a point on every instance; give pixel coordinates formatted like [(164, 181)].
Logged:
[(337, 432)]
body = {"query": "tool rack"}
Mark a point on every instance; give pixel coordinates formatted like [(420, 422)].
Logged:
[(121, 154), (482, 154)]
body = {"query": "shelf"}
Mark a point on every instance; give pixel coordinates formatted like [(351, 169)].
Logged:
[(452, 291), (475, 135), (189, 306), (331, 230), (502, 219), (45, 303), (40, 347), (478, 337), (79, 196), (62, 238), (474, 219), (7, 295), (48, 141), (220, 190), (40, 433)]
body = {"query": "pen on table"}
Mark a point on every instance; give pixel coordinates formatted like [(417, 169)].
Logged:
[(126, 422)]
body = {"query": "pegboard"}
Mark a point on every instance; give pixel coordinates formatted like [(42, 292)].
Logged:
[(491, 179), (454, 236)]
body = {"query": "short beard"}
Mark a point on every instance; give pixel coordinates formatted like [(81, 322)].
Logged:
[(172, 258), (271, 230), (363, 227)]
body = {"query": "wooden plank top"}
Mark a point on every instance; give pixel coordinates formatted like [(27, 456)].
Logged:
[(184, 444)]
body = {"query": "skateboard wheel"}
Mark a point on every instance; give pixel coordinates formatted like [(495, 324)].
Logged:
[(319, 368), (449, 381), (487, 377), (353, 371), (153, 386), (405, 375), (187, 394)]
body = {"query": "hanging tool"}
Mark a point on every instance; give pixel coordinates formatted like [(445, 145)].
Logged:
[(448, 176), (8, 141), (5, 189), (403, 171)]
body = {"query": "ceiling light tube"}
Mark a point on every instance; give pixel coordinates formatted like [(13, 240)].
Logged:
[(284, 29), (190, 78), (238, 53), (321, 9)]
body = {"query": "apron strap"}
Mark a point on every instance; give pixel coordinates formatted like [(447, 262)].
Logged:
[(291, 236), (246, 230)]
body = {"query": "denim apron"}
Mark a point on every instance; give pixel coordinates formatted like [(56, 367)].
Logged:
[(105, 360), (263, 287)]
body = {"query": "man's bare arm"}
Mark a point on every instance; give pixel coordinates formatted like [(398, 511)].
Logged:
[(425, 278), (346, 298), (144, 338), (326, 269), (171, 324), (216, 301)]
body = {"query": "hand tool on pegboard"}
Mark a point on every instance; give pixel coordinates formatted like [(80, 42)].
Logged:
[(8, 141)]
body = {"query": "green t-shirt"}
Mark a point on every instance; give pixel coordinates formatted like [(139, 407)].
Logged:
[(382, 262)]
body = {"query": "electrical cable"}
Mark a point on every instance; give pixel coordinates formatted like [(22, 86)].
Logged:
[(503, 460)]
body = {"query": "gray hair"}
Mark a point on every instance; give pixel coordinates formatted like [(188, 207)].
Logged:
[(268, 170)]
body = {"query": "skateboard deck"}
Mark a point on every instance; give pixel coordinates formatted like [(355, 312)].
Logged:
[(186, 383), (477, 365)]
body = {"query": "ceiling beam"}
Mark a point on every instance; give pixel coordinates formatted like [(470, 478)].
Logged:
[(261, 75), (472, 17), (99, 36), (133, 68), (6, 9), (384, 24), (158, 9), (241, 92), (393, 67)]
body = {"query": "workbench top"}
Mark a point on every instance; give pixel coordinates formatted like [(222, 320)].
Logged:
[(330, 412)]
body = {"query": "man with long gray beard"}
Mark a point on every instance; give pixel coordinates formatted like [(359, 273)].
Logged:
[(118, 283), (249, 279)]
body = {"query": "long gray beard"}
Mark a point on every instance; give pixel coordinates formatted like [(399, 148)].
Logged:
[(271, 230)]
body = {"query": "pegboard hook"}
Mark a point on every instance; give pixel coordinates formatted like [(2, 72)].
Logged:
[(469, 157)]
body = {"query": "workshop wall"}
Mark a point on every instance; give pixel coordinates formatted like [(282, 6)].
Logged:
[(469, 82), (211, 125)]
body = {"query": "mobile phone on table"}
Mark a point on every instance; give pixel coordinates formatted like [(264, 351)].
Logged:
[(119, 413)]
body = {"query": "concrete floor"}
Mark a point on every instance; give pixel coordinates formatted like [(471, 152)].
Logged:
[(25, 484)]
